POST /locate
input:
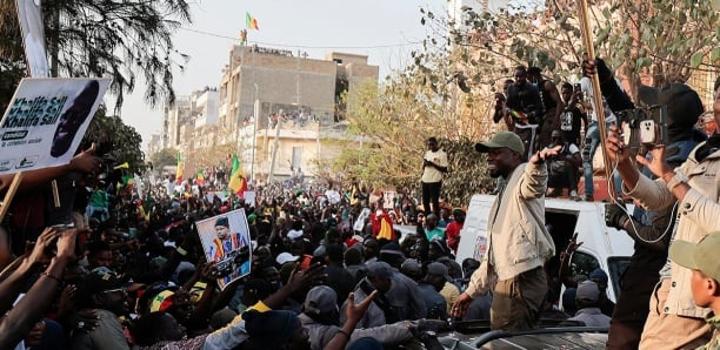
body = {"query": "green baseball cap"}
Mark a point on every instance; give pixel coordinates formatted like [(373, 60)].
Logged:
[(503, 139), (699, 256)]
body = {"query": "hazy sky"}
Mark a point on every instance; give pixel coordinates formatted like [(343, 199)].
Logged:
[(317, 23)]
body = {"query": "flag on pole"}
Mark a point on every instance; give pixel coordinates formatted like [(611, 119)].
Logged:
[(251, 22), (200, 177), (180, 169), (237, 182)]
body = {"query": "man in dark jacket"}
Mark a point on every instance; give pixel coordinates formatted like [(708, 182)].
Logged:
[(651, 231)]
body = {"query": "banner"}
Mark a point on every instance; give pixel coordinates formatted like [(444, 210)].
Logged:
[(360, 221), (46, 120), (33, 35), (226, 241)]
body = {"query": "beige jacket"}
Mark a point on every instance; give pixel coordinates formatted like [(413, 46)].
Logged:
[(698, 214), (517, 238)]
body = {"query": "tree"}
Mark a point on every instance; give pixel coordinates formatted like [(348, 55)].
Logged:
[(393, 121), (648, 41), (165, 157), (90, 38), (116, 142)]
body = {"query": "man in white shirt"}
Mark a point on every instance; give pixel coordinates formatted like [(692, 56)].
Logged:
[(435, 164)]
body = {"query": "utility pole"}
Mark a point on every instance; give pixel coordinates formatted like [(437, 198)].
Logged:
[(256, 114)]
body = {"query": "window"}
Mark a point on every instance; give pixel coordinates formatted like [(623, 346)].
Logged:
[(617, 266)]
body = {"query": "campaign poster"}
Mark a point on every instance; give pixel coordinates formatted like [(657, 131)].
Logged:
[(46, 120), (226, 241), (389, 200)]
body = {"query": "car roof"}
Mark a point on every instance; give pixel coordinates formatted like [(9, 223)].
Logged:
[(550, 341)]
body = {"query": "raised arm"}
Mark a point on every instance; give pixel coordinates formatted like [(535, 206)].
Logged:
[(30, 309), (533, 183)]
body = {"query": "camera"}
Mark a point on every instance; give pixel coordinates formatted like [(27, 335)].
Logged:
[(643, 128)]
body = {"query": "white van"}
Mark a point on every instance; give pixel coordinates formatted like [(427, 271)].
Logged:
[(602, 246)]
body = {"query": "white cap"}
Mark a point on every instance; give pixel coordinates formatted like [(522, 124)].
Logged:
[(294, 234), (285, 257)]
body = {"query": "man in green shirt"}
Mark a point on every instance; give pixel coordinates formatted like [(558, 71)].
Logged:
[(432, 231)]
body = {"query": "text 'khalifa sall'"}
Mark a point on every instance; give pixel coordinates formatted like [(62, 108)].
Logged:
[(34, 112)]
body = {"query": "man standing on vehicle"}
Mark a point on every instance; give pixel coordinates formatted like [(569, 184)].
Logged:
[(518, 243)]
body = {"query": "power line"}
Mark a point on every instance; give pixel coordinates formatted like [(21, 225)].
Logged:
[(221, 36)]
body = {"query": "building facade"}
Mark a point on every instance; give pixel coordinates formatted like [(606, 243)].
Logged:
[(269, 104)]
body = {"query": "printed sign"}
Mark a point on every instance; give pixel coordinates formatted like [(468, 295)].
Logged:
[(474, 234), (226, 241), (388, 199), (46, 120), (360, 222)]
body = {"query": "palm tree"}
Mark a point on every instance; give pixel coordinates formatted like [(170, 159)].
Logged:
[(113, 38)]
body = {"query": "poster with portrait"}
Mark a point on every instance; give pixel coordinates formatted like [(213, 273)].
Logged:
[(226, 241), (46, 120), (389, 200)]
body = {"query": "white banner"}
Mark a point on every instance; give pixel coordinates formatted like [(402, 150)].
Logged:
[(46, 121), (33, 35), (360, 221), (223, 238)]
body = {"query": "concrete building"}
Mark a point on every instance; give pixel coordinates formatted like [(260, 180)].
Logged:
[(292, 96), (205, 106), (154, 145), (175, 117)]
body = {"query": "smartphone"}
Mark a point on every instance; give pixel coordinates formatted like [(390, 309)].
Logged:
[(306, 262)]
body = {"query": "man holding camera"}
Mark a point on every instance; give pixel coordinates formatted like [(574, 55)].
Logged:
[(673, 321)]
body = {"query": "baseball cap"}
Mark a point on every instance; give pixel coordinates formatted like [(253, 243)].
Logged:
[(222, 221), (588, 291), (379, 269), (438, 269), (503, 139), (321, 300), (285, 257), (411, 267), (699, 256)]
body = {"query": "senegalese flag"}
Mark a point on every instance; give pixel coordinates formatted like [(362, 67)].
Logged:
[(251, 22), (180, 169), (200, 176), (237, 182)]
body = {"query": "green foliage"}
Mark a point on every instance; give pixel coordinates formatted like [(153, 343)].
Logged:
[(164, 157), (116, 142), (394, 121)]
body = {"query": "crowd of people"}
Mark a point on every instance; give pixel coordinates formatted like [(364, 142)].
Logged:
[(544, 116), (107, 263)]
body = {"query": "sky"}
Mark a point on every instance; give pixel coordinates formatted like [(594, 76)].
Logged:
[(333, 25)]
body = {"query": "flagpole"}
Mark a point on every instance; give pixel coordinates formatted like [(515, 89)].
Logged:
[(597, 94)]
